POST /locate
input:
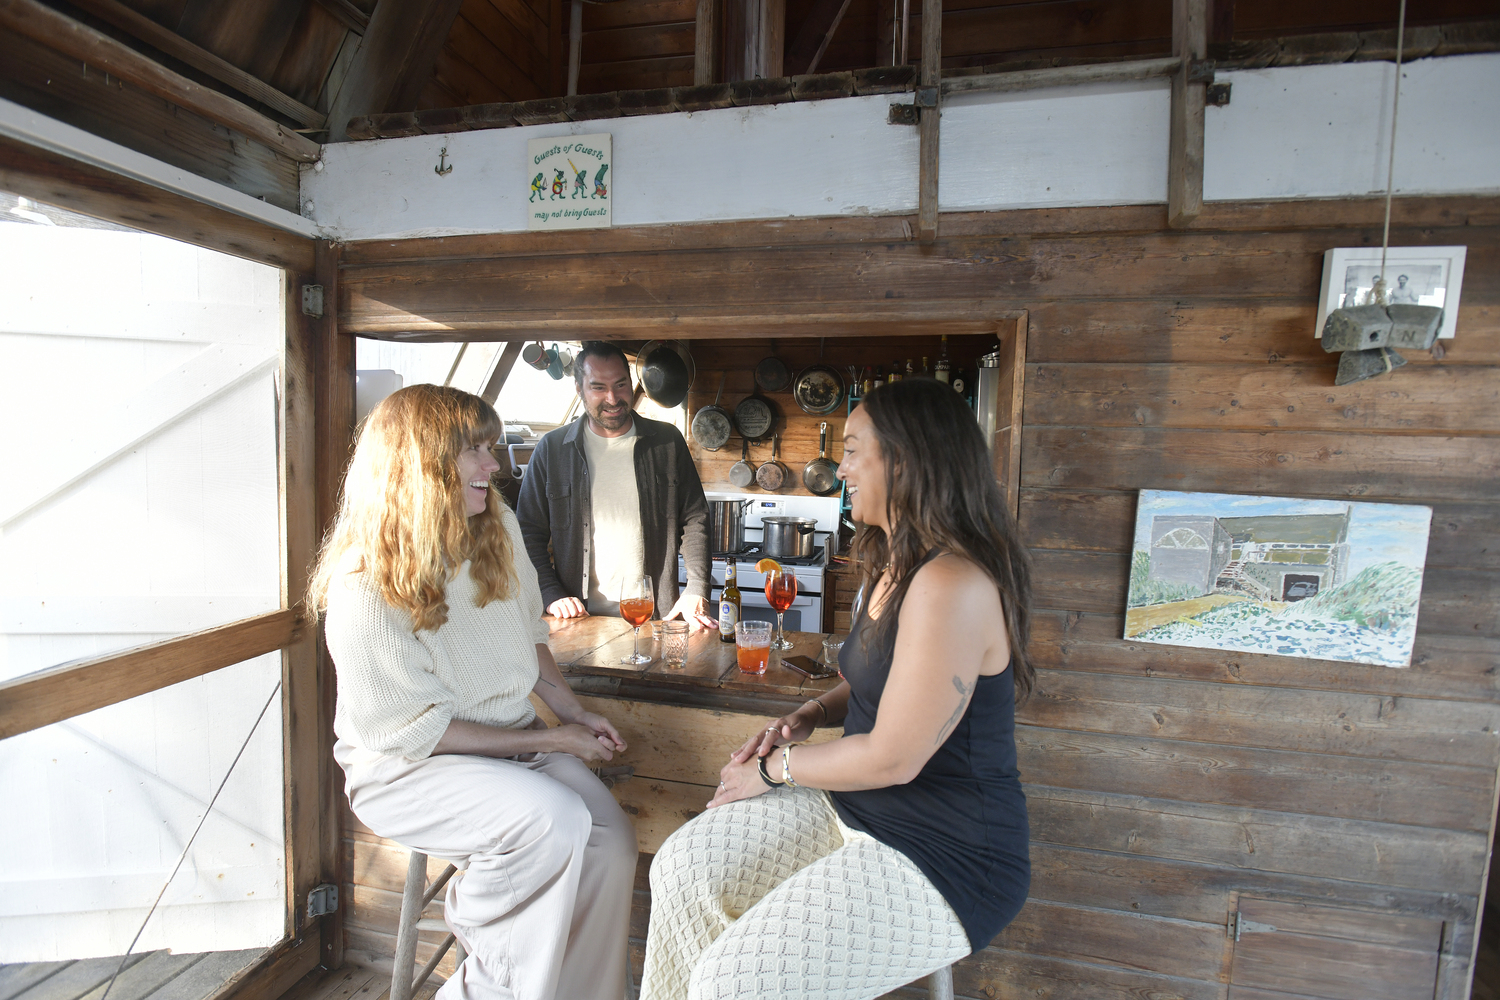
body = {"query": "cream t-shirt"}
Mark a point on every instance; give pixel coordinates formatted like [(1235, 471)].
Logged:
[(617, 545)]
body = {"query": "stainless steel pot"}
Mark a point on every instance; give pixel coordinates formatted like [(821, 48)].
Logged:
[(783, 537), (726, 525)]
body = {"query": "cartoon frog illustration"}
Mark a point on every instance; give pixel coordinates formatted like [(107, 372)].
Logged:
[(538, 187), (600, 191), (559, 184)]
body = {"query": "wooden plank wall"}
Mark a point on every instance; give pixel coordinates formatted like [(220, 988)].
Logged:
[(1163, 781)]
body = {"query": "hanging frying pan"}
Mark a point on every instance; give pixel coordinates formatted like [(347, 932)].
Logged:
[(711, 424), (771, 475), (819, 475), (665, 369), (754, 417), (819, 389), (742, 473), (772, 374)]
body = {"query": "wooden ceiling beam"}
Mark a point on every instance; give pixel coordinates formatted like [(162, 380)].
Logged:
[(63, 34), (394, 62), (142, 27)]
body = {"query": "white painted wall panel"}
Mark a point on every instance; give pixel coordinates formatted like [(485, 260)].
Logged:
[(1099, 145), (804, 159), (1291, 132), (1324, 131)]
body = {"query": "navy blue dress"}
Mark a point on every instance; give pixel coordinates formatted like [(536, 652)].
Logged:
[(962, 820)]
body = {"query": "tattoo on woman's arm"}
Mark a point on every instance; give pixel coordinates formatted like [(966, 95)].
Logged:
[(964, 690), (546, 682)]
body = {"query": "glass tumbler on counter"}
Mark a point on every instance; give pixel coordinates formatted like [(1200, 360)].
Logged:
[(752, 641), (673, 643), (831, 646)]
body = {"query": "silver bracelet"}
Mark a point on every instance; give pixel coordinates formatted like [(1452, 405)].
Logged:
[(819, 703), (786, 765)]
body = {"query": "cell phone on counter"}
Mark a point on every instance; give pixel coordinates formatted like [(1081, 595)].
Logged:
[(807, 666)]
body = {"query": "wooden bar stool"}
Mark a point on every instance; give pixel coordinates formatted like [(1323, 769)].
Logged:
[(418, 893), (414, 900)]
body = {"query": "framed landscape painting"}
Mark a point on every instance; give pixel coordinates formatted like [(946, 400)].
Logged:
[(1325, 579)]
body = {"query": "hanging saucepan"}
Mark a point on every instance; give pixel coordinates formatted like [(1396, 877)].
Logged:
[(819, 389), (754, 417), (820, 475), (772, 374), (711, 424), (772, 474), (742, 473)]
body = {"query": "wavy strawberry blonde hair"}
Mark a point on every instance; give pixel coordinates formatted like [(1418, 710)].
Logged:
[(402, 519)]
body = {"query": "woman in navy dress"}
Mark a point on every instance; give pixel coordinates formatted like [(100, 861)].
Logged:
[(848, 868)]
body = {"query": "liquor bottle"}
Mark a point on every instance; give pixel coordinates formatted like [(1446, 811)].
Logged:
[(895, 372), (910, 371), (942, 370), (926, 372), (868, 382), (729, 603), (879, 377)]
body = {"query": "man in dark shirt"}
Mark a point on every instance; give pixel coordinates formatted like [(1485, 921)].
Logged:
[(611, 497)]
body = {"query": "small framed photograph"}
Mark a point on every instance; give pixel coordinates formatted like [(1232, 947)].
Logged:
[(1422, 276)]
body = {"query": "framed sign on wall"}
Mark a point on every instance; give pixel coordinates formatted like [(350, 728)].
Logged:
[(570, 182)]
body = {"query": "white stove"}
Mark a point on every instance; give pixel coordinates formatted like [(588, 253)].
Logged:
[(806, 612)]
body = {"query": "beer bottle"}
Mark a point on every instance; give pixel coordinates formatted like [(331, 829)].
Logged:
[(729, 603), (943, 369)]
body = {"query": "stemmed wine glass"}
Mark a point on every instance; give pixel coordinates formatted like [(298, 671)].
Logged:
[(781, 591), (636, 604)]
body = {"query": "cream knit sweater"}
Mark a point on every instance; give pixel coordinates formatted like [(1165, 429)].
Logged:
[(397, 691)]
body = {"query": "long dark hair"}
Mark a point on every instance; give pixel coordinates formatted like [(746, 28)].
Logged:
[(941, 493)]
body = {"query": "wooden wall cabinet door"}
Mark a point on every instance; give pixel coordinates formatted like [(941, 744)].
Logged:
[(1288, 950)]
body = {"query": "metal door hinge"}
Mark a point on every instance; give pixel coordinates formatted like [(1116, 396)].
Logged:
[(1239, 925), (312, 301), (323, 899)]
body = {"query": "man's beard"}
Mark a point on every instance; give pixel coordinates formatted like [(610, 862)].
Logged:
[(611, 421)]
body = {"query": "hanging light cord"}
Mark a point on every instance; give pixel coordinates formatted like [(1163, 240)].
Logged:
[(189, 845), (1390, 170)]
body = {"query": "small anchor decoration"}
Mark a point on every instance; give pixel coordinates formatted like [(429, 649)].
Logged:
[(441, 170)]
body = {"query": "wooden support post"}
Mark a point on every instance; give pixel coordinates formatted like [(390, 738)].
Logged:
[(575, 45), (1185, 158), (333, 407), (706, 43), (929, 83), (772, 38)]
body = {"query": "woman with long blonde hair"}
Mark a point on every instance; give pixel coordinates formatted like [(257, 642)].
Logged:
[(434, 620)]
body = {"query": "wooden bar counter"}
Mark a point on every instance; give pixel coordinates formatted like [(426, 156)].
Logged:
[(680, 724)]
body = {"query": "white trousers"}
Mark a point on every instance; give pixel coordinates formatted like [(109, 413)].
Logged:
[(775, 897), (543, 905)]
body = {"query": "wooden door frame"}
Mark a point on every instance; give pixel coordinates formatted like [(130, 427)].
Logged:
[(315, 385)]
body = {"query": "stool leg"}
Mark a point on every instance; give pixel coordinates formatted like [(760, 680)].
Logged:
[(939, 984), (406, 930)]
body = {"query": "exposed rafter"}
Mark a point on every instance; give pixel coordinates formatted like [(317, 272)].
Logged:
[(63, 34), (394, 61), (142, 27)]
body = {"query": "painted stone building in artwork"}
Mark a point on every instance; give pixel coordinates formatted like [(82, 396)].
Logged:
[(1275, 558)]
